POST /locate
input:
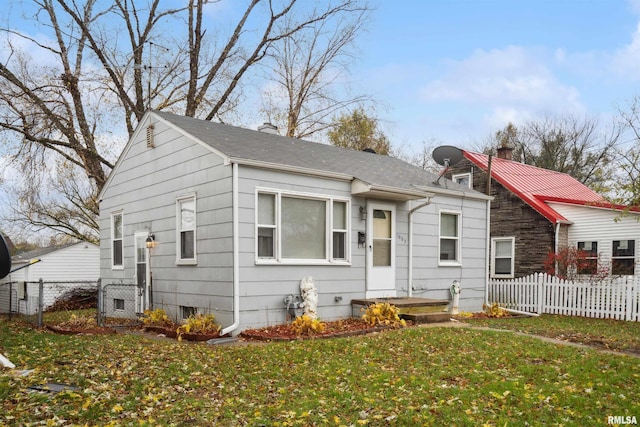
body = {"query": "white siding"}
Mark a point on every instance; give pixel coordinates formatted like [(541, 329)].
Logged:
[(602, 226)]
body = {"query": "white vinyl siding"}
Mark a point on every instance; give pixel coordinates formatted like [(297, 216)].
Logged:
[(449, 238), (186, 221), (502, 257), (300, 228)]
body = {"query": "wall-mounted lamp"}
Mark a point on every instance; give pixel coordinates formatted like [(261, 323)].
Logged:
[(363, 213), (151, 241)]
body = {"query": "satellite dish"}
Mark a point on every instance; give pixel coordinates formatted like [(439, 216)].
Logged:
[(447, 155), (5, 258)]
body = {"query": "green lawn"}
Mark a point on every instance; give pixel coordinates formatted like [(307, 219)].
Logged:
[(415, 376)]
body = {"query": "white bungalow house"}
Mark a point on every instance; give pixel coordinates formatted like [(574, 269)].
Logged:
[(236, 218), (61, 268)]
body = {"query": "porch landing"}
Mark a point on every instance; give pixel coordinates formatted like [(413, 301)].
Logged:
[(418, 310)]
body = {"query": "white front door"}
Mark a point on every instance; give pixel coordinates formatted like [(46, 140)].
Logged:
[(381, 250), (142, 270)]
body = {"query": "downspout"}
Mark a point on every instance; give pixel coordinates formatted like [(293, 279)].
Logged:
[(236, 252), (410, 275), (487, 255)]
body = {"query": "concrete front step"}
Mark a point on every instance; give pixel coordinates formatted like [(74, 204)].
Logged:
[(427, 317), (405, 306)]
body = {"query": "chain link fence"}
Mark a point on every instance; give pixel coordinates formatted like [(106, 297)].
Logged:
[(29, 301), (119, 303)]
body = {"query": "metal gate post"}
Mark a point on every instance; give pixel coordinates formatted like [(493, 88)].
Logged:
[(40, 303)]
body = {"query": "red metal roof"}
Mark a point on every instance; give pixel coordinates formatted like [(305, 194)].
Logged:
[(536, 185)]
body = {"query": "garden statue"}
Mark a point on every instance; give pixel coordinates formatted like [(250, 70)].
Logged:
[(309, 297)]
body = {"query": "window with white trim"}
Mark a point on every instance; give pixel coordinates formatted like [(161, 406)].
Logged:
[(292, 227), (449, 238), (502, 257), (623, 259), (186, 221), (590, 263), (465, 179), (116, 240)]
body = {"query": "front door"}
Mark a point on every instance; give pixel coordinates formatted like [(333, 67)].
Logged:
[(381, 250), (141, 272)]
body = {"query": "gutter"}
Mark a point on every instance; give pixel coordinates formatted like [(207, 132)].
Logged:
[(410, 275), (236, 252)]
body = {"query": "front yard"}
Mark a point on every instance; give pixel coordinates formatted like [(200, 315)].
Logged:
[(414, 376)]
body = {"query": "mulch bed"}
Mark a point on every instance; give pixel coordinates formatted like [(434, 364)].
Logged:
[(339, 328)]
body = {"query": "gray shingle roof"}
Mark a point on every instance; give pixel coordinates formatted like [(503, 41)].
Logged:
[(251, 145)]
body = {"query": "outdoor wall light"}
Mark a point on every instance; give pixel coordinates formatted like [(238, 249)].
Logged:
[(151, 241), (363, 213)]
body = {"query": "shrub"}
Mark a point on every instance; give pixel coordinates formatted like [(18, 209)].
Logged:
[(382, 314), (199, 324), (156, 317), (494, 310), (304, 325)]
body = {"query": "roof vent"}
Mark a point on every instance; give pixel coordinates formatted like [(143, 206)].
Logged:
[(268, 128), (369, 150)]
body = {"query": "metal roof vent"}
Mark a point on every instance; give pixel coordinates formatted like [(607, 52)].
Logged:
[(268, 128)]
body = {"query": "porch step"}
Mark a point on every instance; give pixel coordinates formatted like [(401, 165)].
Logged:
[(442, 316), (406, 306)]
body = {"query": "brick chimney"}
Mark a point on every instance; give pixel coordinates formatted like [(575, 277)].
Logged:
[(505, 152)]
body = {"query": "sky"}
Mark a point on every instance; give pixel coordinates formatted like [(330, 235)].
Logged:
[(455, 72)]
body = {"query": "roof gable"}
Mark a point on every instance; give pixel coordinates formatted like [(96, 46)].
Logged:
[(535, 185)]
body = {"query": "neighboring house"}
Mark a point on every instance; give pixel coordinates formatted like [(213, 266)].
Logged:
[(536, 210), (239, 217), (60, 267)]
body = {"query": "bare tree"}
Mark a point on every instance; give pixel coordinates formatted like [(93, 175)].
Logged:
[(304, 68), (578, 147), (628, 156), (64, 97)]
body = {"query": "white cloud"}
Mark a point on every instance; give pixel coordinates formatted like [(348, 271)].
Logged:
[(509, 84), (626, 61)]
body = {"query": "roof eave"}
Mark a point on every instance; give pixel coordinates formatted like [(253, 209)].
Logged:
[(289, 168), (364, 189)]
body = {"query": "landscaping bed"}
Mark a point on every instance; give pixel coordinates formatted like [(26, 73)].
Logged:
[(338, 328)]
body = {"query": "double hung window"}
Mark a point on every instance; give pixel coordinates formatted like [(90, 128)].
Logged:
[(449, 238), (186, 220), (116, 240)]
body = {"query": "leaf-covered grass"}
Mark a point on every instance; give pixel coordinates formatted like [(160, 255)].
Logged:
[(607, 333), (414, 376)]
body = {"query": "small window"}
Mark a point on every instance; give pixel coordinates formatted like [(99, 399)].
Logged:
[(266, 225), (187, 312), (623, 258), (339, 231), (502, 257), (590, 251), (116, 239), (118, 304), (449, 238), (186, 229), (463, 179)]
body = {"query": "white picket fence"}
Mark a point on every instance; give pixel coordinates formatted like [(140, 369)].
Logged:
[(541, 293)]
